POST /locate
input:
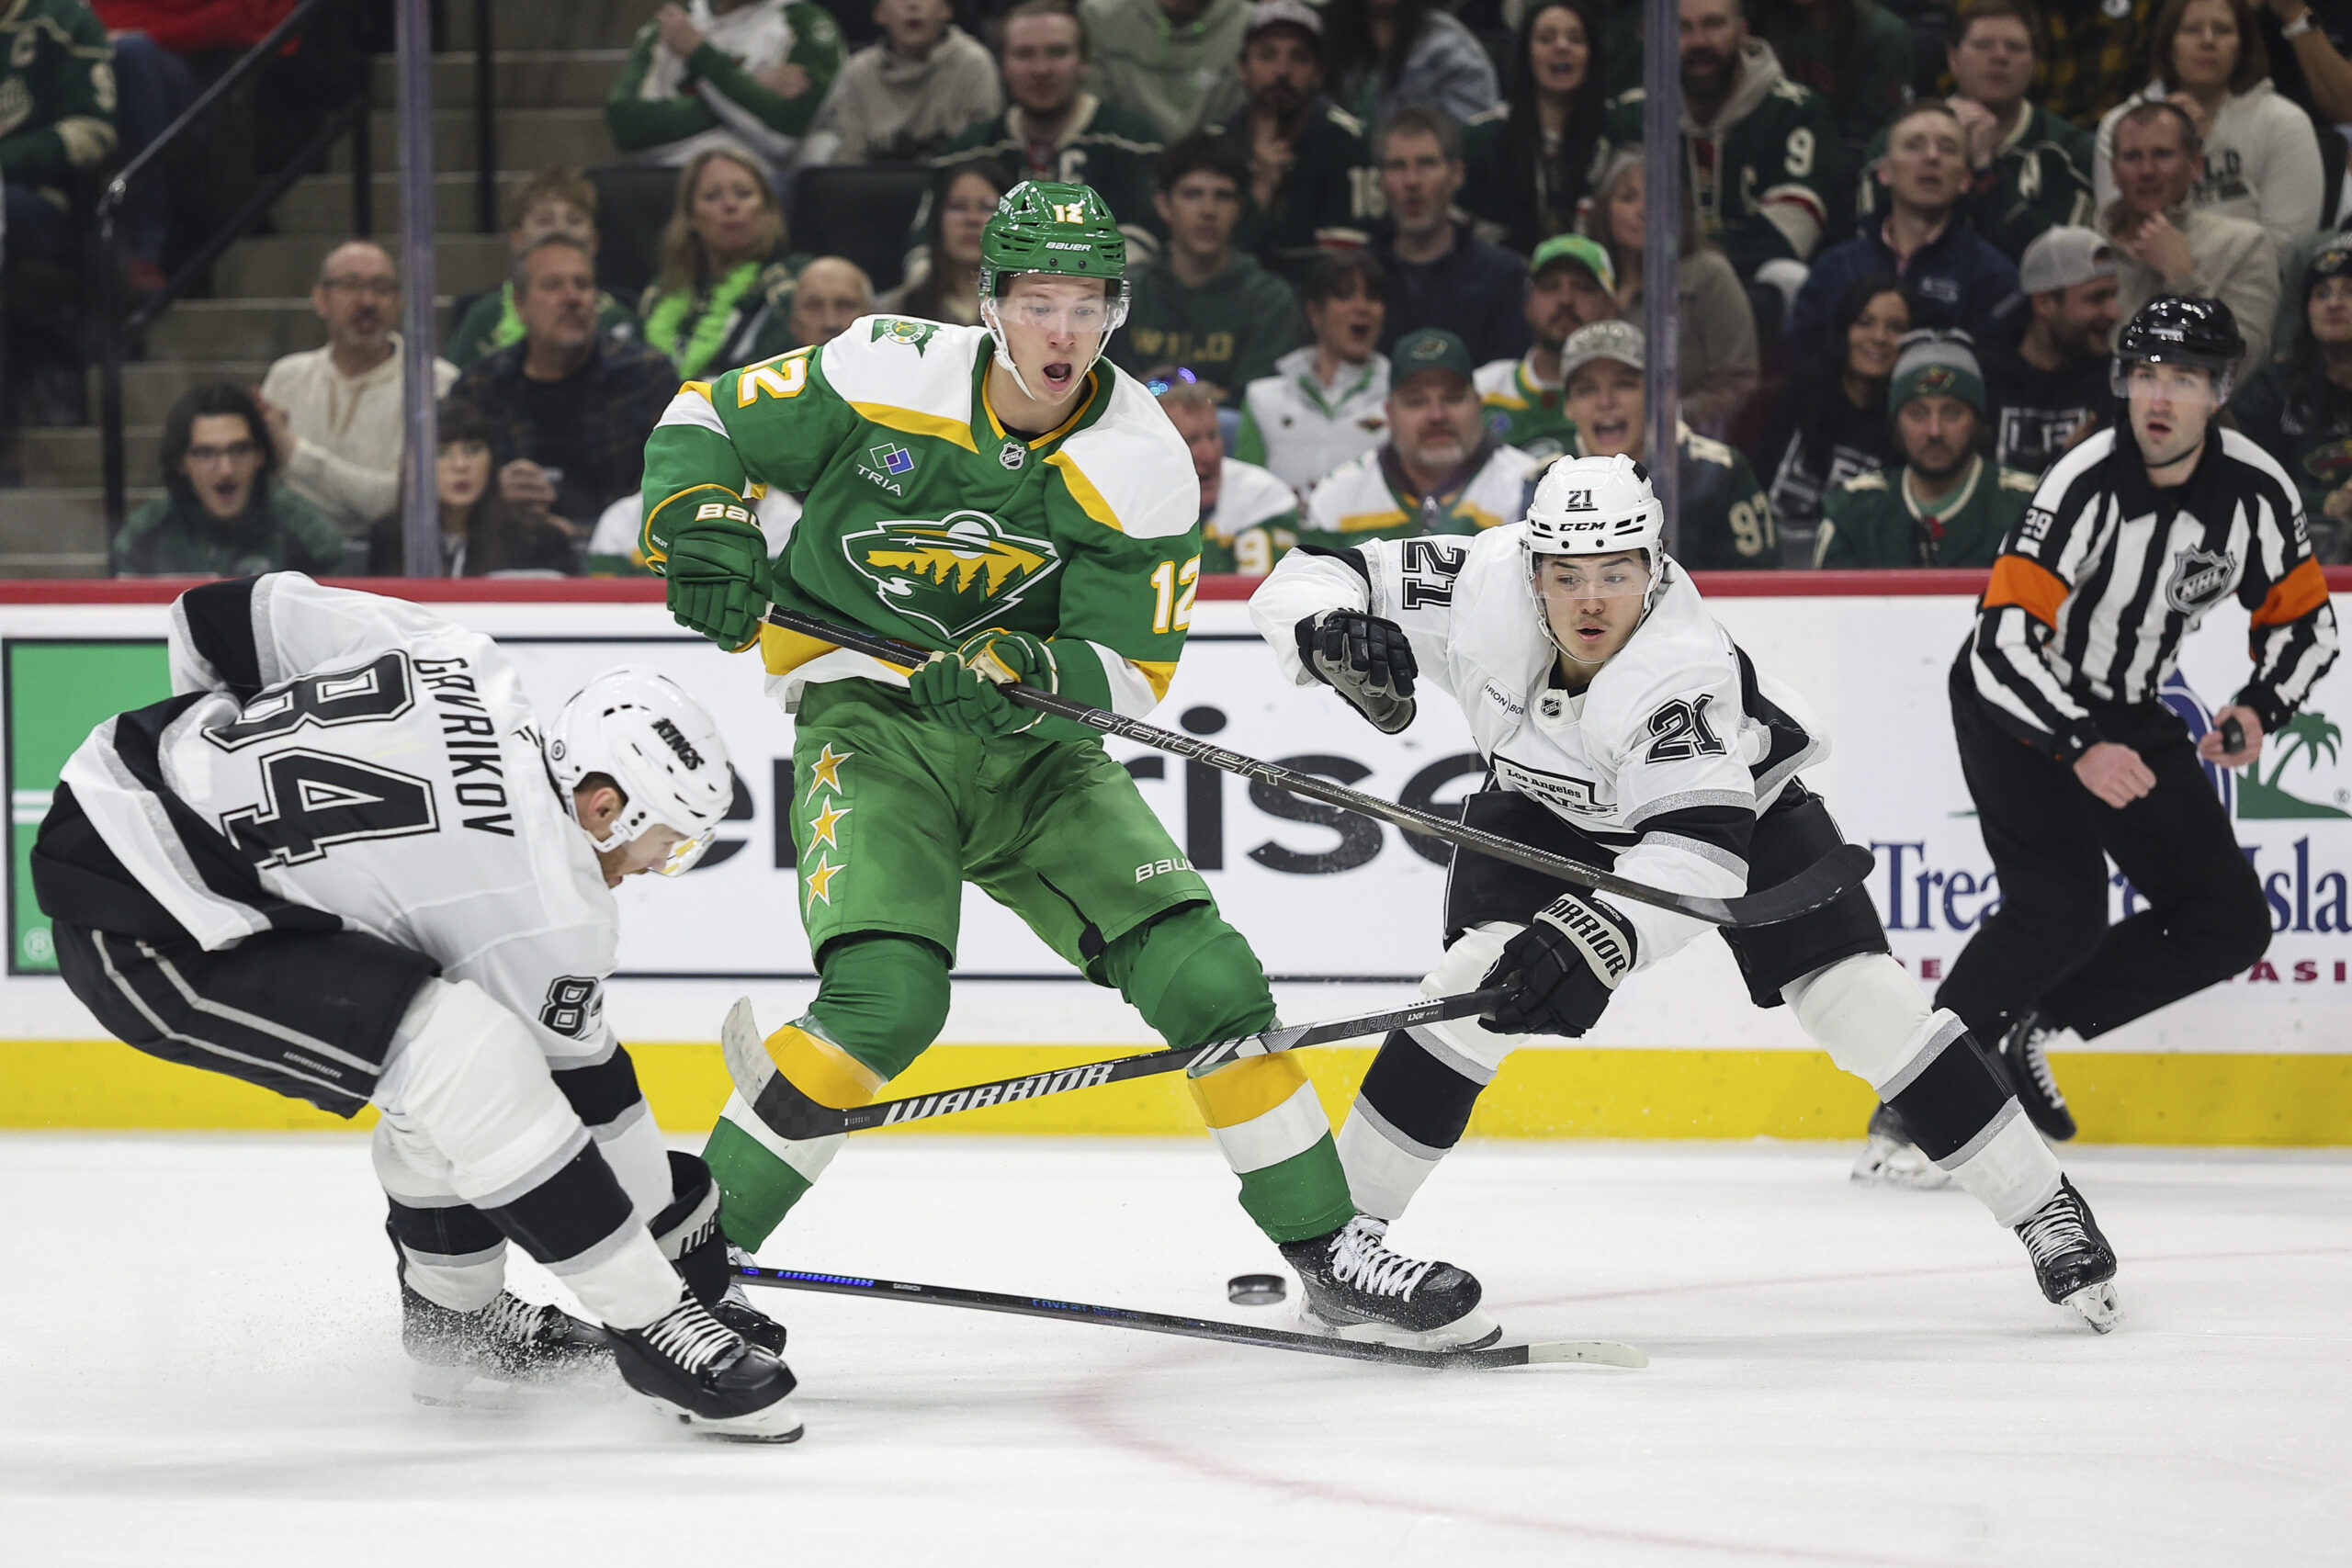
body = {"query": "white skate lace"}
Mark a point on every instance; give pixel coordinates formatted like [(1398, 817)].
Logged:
[(2029, 1046), (690, 1336), (510, 1318), (1358, 1258), (2055, 1231)]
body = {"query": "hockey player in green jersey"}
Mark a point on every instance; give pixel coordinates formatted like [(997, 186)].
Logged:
[(998, 495)]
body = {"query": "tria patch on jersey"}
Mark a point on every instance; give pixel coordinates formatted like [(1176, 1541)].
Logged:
[(2198, 577), (956, 574)]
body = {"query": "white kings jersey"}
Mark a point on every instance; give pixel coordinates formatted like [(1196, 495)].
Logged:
[(1675, 737), (388, 773)]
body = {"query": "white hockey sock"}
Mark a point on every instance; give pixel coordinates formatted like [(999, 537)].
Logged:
[(469, 1077), (2007, 1167)]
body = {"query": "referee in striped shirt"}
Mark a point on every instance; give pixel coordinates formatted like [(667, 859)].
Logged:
[(2131, 537)]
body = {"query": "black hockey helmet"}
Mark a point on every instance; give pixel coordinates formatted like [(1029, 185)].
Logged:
[(2178, 329)]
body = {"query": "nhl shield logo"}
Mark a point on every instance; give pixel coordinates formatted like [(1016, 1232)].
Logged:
[(1012, 454), (2198, 577)]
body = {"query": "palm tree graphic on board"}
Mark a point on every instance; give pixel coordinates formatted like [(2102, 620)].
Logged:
[(2313, 737)]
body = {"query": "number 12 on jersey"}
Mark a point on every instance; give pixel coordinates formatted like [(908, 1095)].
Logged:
[(1172, 589)]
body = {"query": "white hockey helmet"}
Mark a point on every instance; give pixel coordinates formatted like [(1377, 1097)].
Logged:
[(1594, 506), (661, 748)]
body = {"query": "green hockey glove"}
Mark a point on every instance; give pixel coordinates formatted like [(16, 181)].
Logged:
[(717, 572), (959, 690)]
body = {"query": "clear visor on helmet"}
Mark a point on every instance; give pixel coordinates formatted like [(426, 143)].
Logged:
[(1040, 312), (1592, 577), (2180, 382)]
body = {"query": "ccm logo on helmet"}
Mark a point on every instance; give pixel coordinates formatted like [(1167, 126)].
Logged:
[(677, 742)]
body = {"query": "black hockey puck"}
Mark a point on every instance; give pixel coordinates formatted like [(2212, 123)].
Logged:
[(1254, 1290)]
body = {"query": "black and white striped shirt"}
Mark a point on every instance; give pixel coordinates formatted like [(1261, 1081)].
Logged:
[(2105, 574)]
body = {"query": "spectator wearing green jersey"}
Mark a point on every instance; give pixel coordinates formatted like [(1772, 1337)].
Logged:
[(725, 287), (745, 74), (222, 513), (1725, 523), (553, 201), (1248, 518), (1328, 403), (1760, 150), (1202, 303), (1310, 174), (1943, 502), (1052, 129), (1570, 284), (2029, 169)]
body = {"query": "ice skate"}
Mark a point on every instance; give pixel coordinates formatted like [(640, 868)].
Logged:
[(1357, 1289), (2024, 1056), (735, 1310), (1891, 1160), (2071, 1259), (508, 1342), (695, 1368)]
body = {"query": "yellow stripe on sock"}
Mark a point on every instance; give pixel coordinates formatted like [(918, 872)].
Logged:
[(822, 1071), (1288, 1129), (1247, 1089)]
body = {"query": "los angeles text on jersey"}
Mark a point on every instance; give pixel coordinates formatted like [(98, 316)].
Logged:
[(477, 765)]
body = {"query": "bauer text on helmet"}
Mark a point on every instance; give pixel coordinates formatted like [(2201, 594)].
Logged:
[(661, 750)]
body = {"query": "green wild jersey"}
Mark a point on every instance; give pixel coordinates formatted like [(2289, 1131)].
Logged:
[(1871, 520), (1523, 410), (926, 519), (1253, 525), (1725, 522)]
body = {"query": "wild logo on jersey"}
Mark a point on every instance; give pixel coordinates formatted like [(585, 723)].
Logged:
[(959, 573)]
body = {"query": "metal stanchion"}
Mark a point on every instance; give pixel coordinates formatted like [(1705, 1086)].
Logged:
[(420, 502), (1661, 262)]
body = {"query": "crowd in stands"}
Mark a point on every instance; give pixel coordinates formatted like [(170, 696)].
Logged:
[(1386, 256)]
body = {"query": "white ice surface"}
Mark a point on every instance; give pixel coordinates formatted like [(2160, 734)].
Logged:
[(198, 1364)]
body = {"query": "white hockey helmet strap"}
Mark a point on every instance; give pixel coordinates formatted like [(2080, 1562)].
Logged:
[(660, 747), (1594, 506)]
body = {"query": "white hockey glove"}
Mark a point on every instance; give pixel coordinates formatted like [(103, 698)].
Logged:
[(1365, 660), (1562, 969)]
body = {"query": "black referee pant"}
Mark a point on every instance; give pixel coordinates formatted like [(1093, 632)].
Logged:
[(2049, 944)]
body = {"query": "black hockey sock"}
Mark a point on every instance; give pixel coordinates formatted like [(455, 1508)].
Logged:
[(1410, 1113), (1950, 1100)]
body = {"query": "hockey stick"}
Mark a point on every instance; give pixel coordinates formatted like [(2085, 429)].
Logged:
[(1601, 1352), (1833, 874), (791, 1114)]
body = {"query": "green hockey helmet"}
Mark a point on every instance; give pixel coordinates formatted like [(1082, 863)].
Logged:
[(1063, 229)]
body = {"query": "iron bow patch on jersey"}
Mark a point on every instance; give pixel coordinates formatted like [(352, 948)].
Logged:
[(956, 574)]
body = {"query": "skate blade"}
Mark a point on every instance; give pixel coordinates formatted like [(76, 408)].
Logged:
[(2098, 1305), (1886, 1163), (1474, 1330), (777, 1423), (471, 1388)]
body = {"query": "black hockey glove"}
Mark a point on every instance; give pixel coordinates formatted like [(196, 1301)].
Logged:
[(1562, 969), (1365, 660)]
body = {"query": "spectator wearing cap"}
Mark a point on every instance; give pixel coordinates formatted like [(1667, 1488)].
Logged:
[(1531, 160), (1717, 360), (1327, 403), (1441, 273), (1954, 276), (1725, 523), (2049, 388), (1171, 60), (1441, 471), (743, 73), (1310, 172), (2300, 409), (902, 97), (2165, 245), (2261, 156), (1200, 303), (1248, 518), (1941, 503), (2027, 169), (1570, 285)]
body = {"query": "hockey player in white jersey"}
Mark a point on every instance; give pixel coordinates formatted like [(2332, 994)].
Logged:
[(342, 863), (1624, 728)]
